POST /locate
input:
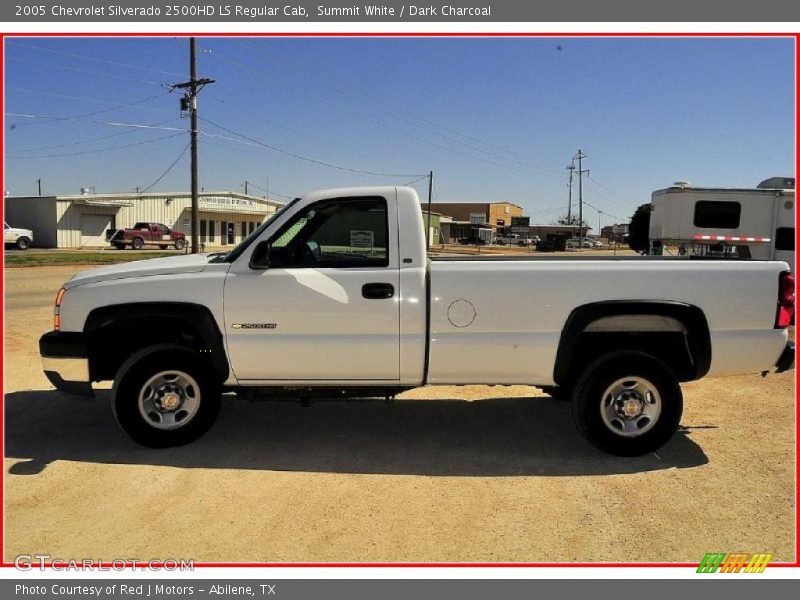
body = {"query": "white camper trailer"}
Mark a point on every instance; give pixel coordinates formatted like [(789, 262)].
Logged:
[(753, 223)]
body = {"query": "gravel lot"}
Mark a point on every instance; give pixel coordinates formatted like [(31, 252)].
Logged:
[(480, 474)]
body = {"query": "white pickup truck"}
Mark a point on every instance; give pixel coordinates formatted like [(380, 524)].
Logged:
[(335, 296)]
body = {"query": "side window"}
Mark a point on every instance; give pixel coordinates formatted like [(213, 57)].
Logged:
[(784, 238), (341, 233), (717, 215)]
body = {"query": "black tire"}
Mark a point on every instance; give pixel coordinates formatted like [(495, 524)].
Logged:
[(139, 370), (180, 244), (606, 433), (119, 246), (23, 243), (137, 243), (162, 247)]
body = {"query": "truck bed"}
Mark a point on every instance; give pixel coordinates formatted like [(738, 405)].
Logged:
[(513, 309)]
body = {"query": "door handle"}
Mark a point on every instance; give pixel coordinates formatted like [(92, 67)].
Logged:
[(377, 291)]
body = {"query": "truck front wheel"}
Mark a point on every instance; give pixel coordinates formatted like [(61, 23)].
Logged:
[(627, 403), (165, 396), (180, 244)]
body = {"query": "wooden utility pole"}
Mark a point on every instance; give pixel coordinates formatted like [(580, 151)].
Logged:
[(428, 229), (580, 156), (571, 169), (189, 103)]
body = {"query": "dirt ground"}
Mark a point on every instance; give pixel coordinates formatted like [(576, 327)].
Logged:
[(443, 474)]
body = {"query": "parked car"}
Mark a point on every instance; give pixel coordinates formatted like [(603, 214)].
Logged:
[(528, 241), (507, 240), (587, 243), (335, 297), (146, 234), (15, 236)]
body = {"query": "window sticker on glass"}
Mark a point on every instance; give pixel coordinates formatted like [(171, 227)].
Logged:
[(360, 238)]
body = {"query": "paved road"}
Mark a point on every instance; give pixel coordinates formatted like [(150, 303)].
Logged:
[(443, 474)]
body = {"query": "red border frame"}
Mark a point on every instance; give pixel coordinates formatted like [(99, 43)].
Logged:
[(107, 565)]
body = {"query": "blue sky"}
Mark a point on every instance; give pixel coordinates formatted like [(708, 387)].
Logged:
[(496, 119)]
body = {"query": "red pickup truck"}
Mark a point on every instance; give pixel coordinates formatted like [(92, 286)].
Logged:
[(152, 234)]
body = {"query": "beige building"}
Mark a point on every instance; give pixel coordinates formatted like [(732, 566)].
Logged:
[(495, 214), (225, 218)]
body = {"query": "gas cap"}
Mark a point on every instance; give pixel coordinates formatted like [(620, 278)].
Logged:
[(461, 313)]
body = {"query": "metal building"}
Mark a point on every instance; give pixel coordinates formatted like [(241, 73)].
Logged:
[(225, 218)]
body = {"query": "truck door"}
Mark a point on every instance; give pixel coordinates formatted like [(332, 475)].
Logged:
[(323, 305)]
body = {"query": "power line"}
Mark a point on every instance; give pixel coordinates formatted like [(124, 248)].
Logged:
[(617, 194), (96, 150), (89, 140), (416, 180), (98, 112), (605, 212), (94, 100), (92, 121), (256, 142), (425, 120), (169, 168), (79, 70), (271, 192), (93, 59), (428, 142)]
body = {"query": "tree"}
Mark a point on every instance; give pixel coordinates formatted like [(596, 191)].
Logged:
[(639, 231), (574, 221)]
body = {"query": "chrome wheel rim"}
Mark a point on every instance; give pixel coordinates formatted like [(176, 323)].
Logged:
[(630, 406), (169, 399)]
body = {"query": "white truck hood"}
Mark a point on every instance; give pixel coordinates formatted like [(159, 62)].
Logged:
[(19, 232), (191, 263)]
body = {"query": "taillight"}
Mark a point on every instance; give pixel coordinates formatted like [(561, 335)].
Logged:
[(57, 309), (785, 316)]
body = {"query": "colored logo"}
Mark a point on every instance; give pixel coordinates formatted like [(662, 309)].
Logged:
[(720, 562)]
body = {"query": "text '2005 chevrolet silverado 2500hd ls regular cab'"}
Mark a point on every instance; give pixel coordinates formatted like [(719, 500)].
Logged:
[(335, 296)]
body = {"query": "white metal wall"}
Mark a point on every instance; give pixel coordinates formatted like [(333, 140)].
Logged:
[(175, 213)]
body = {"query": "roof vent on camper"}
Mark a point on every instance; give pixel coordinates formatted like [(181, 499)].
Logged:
[(682, 184), (777, 183), (85, 191)]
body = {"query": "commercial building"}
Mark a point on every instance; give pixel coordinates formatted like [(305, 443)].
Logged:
[(434, 227), (225, 218), (488, 214)]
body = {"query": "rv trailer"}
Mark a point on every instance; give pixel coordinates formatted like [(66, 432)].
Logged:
[(755, 223)]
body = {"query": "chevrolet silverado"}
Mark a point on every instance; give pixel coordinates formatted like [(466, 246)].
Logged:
[(335, 296)]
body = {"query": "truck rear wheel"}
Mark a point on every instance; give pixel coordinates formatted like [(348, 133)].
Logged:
[(627, 403), (165, 396), (137, 243)]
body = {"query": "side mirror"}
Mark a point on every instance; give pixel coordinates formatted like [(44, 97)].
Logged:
[(260, 257)]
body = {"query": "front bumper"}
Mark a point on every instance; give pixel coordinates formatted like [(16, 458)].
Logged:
[(786, 360), (65, 362)]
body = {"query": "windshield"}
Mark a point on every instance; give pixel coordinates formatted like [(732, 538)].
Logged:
[(237, 252)]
